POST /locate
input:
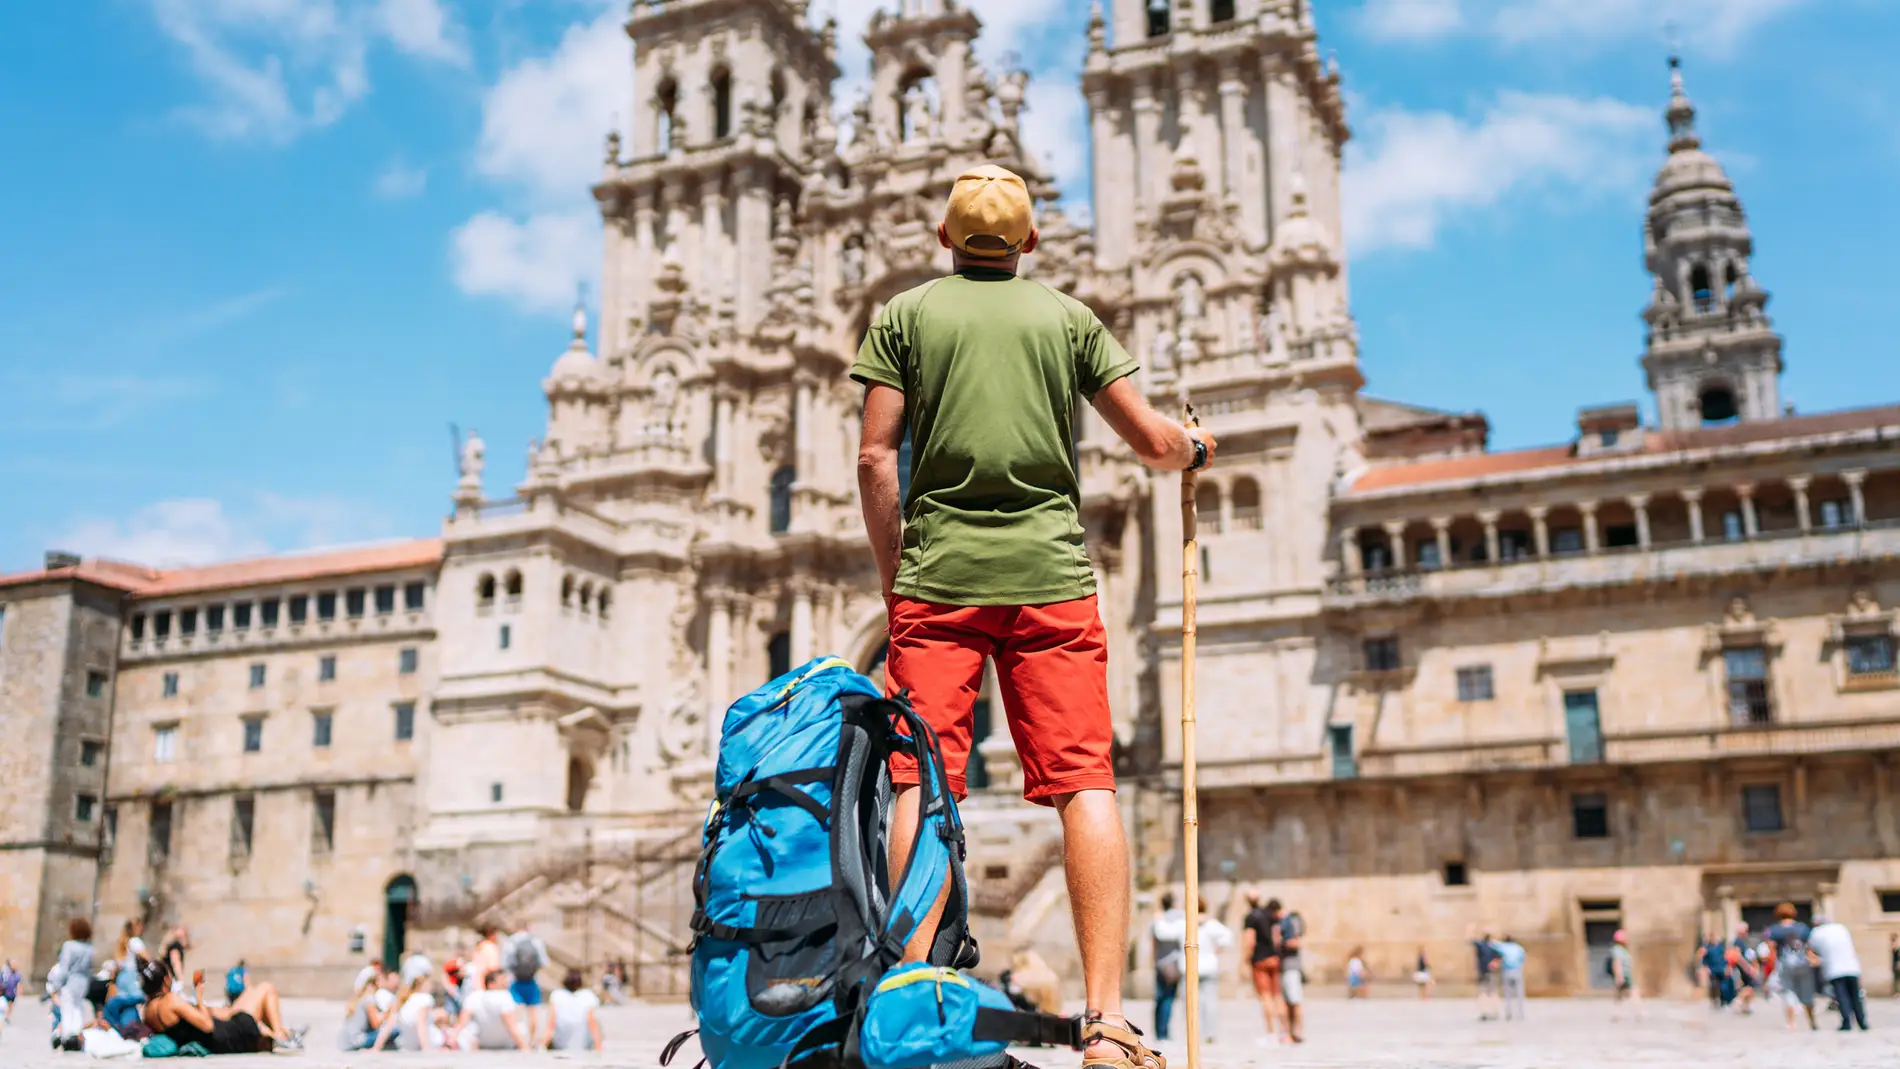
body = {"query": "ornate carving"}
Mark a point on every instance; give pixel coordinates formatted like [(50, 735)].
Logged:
[(682, 727)]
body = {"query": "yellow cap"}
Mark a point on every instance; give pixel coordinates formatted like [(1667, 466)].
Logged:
[(989, 214)]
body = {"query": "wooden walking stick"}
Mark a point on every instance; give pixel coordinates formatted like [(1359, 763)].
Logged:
[(1190, 802)]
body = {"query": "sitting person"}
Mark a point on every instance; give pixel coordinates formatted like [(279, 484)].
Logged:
[(491, 1020), (418, 1024), (122, 1009), (576, 1026), (363, 1018), (252, 1025)]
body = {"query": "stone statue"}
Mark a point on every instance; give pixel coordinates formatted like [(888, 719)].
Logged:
[(473, 457), (1161, 352), (851, 261), (1190, 299), (681, 736), (919, 123), (665, 400)]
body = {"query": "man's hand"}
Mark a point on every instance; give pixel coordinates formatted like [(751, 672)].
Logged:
[(1159, 442)]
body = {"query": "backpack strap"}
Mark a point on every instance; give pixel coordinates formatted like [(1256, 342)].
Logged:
[(785, 785), (1031, 1029)]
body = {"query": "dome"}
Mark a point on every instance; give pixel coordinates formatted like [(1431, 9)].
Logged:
[(576, 367), (1690, 169)]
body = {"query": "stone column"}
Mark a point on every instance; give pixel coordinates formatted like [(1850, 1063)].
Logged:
[(616, 234), (1349, 556), (1233, 126), (1441, 533), (1395, 539), (673, 195), (1799, 484), (712, 279), (1855, 480), (1490, 520), (803, 594), (1196, 102), (1746, 491), (1639, 503), (1149, 161), (1693, 499), (639, 272), (1540, 528), (1102, 161), (719, 654), (1590, 537), (802, 459), (751, 260)]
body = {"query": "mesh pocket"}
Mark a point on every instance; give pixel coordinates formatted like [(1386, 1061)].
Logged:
[(791, 975)]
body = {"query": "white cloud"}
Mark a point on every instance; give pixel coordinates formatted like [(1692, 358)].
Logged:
[(543, 121), (1409, 172), (399, 181), (201, 530), (276, 68), (1719, 25), (535, 261)]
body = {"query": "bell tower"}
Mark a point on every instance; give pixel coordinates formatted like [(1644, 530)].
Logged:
[(1712, 355)]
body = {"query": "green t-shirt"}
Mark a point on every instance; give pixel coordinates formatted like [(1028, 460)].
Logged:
[(990, 365)]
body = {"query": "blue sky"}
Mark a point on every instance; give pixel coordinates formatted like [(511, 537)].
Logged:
[(257, 255)]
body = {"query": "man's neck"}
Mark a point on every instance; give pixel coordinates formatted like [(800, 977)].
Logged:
[(1004, 265)]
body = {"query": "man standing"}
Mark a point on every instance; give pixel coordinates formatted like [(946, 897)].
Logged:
[(1840, 970), (1794, 974), (1260, 946), (1486, 953), (1293, 974), (1623, 973), (986, 557), (1169, 933), (1511, 957)]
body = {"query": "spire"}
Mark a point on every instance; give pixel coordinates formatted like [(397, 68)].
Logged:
[(1681, 113), (580, 321)]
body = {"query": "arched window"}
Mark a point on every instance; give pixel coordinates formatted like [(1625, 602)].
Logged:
[(1159, 15), (513, 585), (781, 510), (1221, 11), (1717, 404), (1701, 288), (666, 107), (587, 597), (580, 774), (1730, 277), (603, 603), (916, 91), (778, 655), (1246, 504), (1207, 508), (567, 591), (721, 103), (485, 590)]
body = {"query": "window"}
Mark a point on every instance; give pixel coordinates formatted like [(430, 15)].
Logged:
[(513, 585), (214, 618), (1889, 901), (138, 627), (257, 675), (1375, 557), (405, 721), (1474, 683), (1220, 11), (267, 612), (243, 820), (187, 622), (485, 591), (326, 605), (412, 596), (603, 603), (567, 592), (506, 637), (253, 734), (1620, 535), (1514, 545), (353, 602), (170, 684), (1382, 654), (241, 616), (406, 661), (1869, 655), (95, 684), (1455, 874), (1589, 816), (1718, 406), (385, 600), (164, 743), (1345, 765), (1609, 438), (1583, 727), (722, 103), (299, 608), (320, 727), (83, 806), (1748, 701), (1732, 529), (326, 668), (158, 844), (322, 822), (1761, 808), (90, 750), (162, 625), (494, 793), (1207, 565), (1834, 513), (778, 655), (1246, 504), (1566, 540), (781, 503), (1428, 556), (1701, 288), (1158, 13), (1207, 508)]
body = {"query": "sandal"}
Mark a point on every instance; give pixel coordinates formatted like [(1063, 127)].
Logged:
[(1135, 1055)]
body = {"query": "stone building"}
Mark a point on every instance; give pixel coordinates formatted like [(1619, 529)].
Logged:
[(1644, 678)]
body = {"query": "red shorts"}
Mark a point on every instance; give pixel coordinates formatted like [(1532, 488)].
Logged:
[(1052, 665)]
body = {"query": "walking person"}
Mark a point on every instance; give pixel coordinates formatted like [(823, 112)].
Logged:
[(986, 558), (1511, 957), (1422, 976), (1840, 970), (1168, 932), (1357, 976), (75, 977), (1293, 974), (1215, 937), (1623, 974), (1893, 962), (1260, 946), (9, 990), (1743, 969), (1485, 960), (524, 956), (1793, 978)]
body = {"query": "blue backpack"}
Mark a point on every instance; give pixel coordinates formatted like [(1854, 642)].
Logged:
[(797, 931)]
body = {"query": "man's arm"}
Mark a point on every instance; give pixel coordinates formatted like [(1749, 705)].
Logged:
[(1159, 442), (515, 1031), (882, 434)]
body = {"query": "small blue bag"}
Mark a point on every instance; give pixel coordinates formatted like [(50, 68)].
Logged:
[(923, 1015)]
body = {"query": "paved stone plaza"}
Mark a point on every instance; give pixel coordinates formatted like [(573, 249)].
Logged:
[(1442, 1034)]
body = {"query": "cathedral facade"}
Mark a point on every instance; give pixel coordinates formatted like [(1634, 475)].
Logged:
[(1642, 679)]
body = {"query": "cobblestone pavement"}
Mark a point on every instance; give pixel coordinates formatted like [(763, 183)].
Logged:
[(1392, 1032)]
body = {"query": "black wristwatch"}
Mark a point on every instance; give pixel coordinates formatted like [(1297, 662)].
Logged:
[(1200, 456)]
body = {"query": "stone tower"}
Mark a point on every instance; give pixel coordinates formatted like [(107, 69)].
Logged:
[(1712, 355)]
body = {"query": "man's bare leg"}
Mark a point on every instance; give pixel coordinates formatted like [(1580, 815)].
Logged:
[(904, 821), (1095, 861)]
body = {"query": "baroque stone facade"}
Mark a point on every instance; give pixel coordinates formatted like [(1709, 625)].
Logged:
[(1642, 679)]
